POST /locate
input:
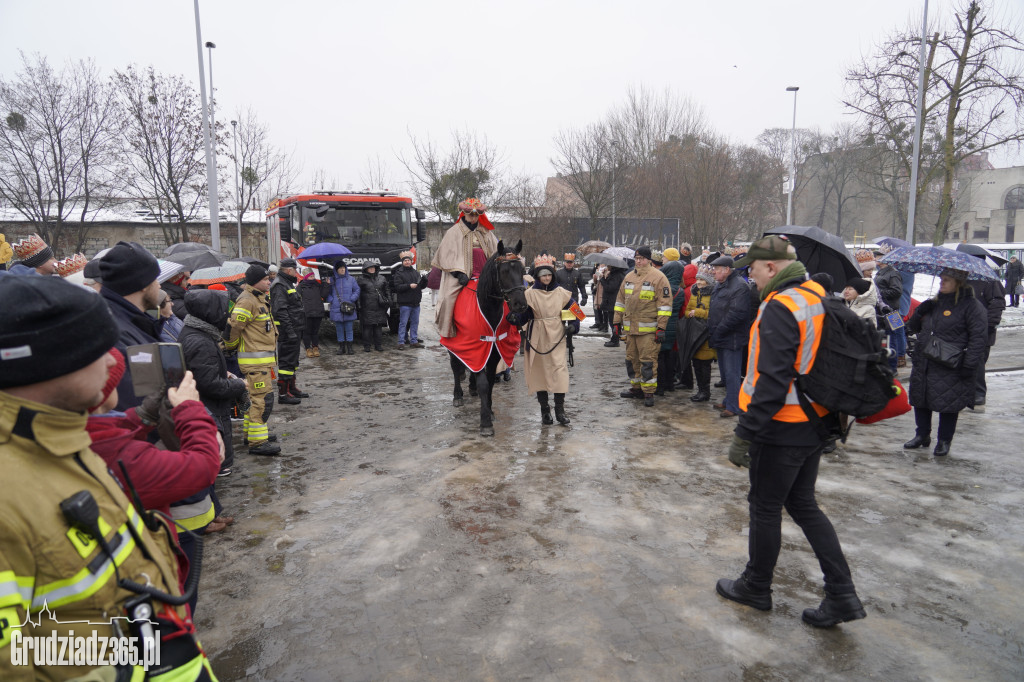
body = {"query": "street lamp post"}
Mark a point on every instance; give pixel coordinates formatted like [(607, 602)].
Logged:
[(615, 147), (238, 192), (213, 127), (792, 159), (211, 164)]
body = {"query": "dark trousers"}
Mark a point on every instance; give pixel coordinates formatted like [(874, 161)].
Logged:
[(598, 318), (783, 476), (224, 427), (947, 423), (702, 374), (667, 360), (287, 356), (980, 387), (311, 332), (371, 335), (1014, 296)]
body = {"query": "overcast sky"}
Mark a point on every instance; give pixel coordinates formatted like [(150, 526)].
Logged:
[(342, 82)]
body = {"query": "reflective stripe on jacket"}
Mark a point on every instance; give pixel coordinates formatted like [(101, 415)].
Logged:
[(804, 304), (644, 302), (253, 333)]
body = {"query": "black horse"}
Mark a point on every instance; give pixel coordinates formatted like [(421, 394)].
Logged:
[(501, 281)]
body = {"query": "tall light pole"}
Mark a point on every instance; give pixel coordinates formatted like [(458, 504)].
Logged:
[(211, 164), (792, 159), (238, 192), (213, 93), (615, 148), (912, 207)]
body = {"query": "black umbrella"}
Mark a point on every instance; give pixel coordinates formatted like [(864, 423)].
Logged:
[(982, 252), (250, 260), (691, 333), (820, 251)]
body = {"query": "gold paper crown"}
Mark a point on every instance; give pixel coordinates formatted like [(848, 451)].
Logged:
[(28, 247), (544, 259), (72, 264)]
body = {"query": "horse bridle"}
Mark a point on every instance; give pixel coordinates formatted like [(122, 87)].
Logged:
[(508, 257)]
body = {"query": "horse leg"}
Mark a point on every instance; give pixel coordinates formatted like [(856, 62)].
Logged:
[(474, 388), (458, 370), (485, 383)]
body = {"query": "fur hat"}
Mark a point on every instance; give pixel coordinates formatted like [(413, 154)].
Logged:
[(32, 251), (670, 254), (704, 273)]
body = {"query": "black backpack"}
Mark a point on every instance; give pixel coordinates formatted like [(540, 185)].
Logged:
[(851, 372)]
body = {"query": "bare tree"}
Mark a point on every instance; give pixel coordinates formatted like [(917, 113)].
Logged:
[(584, 163), (470, 167), (264, 169), (55, 147), (377, 175), (775, 142), (974, 98), (163, 147)]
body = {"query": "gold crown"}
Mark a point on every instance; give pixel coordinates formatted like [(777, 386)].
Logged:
[(28, 247), (544, 259), (72, 264)]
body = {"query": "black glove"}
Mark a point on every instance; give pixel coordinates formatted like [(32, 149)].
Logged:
[(738, 452), (165, 427), (925, 307), (967, 372), (570, 329), (462, 277), (583, 299), (149, 410), (659, 336), (512, 319)]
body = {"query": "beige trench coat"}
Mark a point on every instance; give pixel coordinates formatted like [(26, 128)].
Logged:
[(548, 372), (456, 255)]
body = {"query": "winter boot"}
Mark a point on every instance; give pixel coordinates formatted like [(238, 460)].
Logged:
[(545, 409), (634, 392), (560, 409), (294, 390), (265, 448), (348, 347), (316, 351), (309, 352), (835, 609), (612, 342), (283, 396), (341, 348)]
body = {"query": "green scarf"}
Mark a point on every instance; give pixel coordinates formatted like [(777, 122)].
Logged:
[(794, 269)]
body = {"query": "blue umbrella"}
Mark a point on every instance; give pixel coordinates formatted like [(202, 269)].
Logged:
[(324, 250), (893, 242), (932, 260)]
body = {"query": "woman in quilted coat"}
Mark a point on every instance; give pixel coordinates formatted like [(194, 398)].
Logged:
[(343, 295), (958, 319)]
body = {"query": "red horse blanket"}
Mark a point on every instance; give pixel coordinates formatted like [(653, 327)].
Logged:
[(474, 337)]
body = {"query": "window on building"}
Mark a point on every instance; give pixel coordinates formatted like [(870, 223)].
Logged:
[(1014, 198)]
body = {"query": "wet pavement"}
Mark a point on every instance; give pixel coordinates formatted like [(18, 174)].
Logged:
[(391, 542)]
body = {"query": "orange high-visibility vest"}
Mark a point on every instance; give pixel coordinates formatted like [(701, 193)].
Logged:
[(809, 312)]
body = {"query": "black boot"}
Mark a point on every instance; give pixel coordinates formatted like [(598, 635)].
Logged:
[(560, 409), (283, 396), (632, 393), (348, 347), (917, 442), (941, 448), (701, 396), (294, 390), (545, 409), (341, 348), (741, 592), (835, 609), (613, 342)]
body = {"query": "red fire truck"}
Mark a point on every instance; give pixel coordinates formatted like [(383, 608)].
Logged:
[(375, 226)]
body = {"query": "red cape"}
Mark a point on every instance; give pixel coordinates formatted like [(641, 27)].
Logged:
[(475, 337)]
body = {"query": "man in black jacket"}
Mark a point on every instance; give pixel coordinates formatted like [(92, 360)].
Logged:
[(286, 308), (408, 284), (611, 283), (568, 277), (202, 344), (130, 288), (729, 328), (784, 444)]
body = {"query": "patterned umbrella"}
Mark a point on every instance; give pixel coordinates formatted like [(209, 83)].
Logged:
[(621, 251), (932, 260), (593, 246), (228, 272), (893, 242)]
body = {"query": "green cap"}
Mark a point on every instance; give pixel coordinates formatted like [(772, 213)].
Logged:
[(769, 248)]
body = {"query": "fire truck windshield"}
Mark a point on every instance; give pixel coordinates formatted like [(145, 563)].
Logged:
[(352, 226)]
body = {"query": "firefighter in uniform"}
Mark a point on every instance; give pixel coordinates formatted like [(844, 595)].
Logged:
[(56, 575), (643, 309), (254, 336), (286, 307), (784, 445)]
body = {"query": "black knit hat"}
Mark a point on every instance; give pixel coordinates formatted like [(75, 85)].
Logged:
[(255, 274), (37, 317), (644, 251), (128, 267), (859, 284)]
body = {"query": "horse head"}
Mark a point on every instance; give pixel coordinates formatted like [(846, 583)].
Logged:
[(510, 273)]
